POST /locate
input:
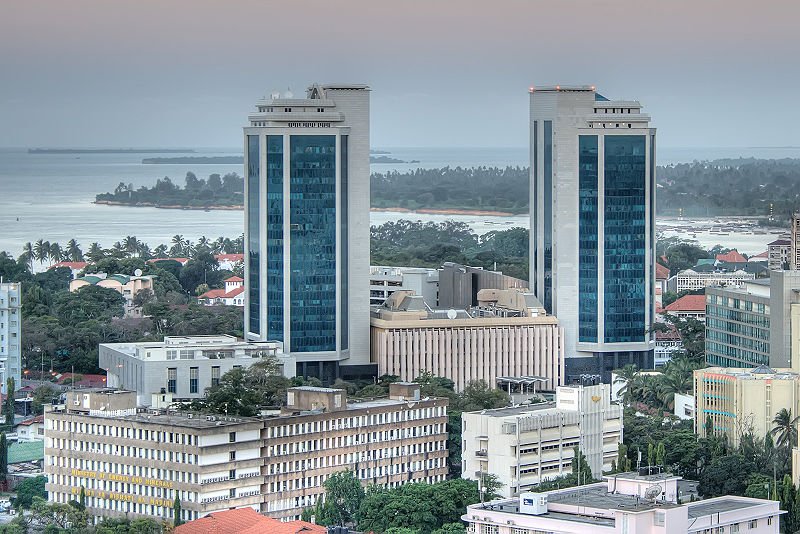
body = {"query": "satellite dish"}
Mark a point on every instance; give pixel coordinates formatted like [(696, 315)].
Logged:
[(653, 492), (452, 314), (137, 272)]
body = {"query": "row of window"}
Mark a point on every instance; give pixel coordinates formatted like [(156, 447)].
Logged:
[(302, 429)]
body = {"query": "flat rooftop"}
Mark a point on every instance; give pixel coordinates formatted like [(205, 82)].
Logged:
[(719, 505), (179, 419), (597, 496), (633, 475), (519, 410)]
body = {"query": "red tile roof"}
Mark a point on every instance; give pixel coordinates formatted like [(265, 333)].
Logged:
[(662, 272), (670, 335), (764, 254), (37, 419), (77, 265), (245, 521), (220, 293), (732, 257), (86, 380), (229, 257), (688, 303), (179, 260), (234, 279)]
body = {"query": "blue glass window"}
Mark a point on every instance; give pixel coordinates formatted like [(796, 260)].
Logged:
[(275, 237), (344, 252), (625, 247), (313, 242), (253, 239), (548, 216), (652, 223), (533, 267), (587, 240)]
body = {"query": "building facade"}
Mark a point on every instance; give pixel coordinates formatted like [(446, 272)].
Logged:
[(231, 295), (10, 333), (127, 286), (622, 504), (383, 281), (691, 280), (459, 284), (758, 324), (687, 307), (506, 335), (307, 228), (183, 366), (778, 254), (592, 249), (734, 399), (385, 442), (525, 445), (132, 462)]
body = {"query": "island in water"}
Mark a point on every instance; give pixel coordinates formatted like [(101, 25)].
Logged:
[(109, 151), (239, 160)]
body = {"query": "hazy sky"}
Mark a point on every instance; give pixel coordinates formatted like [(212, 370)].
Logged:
[(443, 73)]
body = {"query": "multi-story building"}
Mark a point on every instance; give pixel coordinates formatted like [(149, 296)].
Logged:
[(136, 461), (132, 462), (307, 228), (384, 442), (383, 281), (507, 334), (736, 400), (127, 286), (525, 445), (592, 249), (10, 333), (184, 366), (794, 248), (778, 253), (231, 295), (668, 342), (626, 502), (687, 307), (757, 324), (459, 285), (691, 280)]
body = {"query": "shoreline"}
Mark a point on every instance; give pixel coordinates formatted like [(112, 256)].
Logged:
[(429, 211)]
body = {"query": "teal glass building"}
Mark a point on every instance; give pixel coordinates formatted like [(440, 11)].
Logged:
[(593, 226), (307, 226)]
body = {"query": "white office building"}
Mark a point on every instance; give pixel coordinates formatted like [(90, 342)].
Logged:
[(525, 445), (10, 333), (593, 225), (183, 366), (307, 228)]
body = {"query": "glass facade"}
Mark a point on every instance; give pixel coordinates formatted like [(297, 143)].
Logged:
[(312, 204), (547, 225), (253, 241), (344, 251), (588, 238), (624, 243), (534, 206), (737, 331), (275, 237), (652, 223)]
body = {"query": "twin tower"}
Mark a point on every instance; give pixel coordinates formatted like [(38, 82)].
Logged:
[(307, 227)]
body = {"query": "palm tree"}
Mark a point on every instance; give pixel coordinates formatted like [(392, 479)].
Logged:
[(95, 252), (55, 253), (785, 428), (41, 250), (626, 377), (178, 245), (160, 251), (28, 255), (74, 251), (131, 245), (218, 246)]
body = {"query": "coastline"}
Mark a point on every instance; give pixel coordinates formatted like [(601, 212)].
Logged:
[(429, 211)]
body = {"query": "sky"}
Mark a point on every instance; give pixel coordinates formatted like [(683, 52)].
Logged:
[(166, 73)]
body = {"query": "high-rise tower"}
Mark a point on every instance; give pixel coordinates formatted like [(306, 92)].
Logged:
[(307, 228), (10, 333), (593, 225)]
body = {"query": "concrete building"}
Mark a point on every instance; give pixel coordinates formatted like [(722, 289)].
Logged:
[(459, 284), (667, 344), (383, 281), (184, 366), (134, 463), (525, 445), (384, 442), (758, 324), (231, 295), (10, 333), (691, 280), (794, 248), (625, 503), (593, 225), (688, 307), (507, 334), (75, 267), (736, 399), (778, 253), (307, 228), (127, 286), (684, 406)]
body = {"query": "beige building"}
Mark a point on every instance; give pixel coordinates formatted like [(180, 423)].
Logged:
[(507, 335), (736, 400), (385, 442), (133, 462), (127, 286), (525, 445)]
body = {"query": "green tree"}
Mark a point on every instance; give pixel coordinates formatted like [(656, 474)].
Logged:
[(28, 489), (3, 457), (451, 528), (661, 453), (785, 428), (44, 394), (343, 497), (8, 406), (82, 497), (726, 475), (176, 513), (244, 391)]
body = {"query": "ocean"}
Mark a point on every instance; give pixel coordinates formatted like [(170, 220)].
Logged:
[(49, 196)]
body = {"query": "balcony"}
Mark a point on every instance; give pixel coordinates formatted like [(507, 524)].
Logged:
[(482, 454)]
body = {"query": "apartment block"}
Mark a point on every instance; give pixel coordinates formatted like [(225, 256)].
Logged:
[(525, 445), (10, 333), (507, 334), (691, 280)]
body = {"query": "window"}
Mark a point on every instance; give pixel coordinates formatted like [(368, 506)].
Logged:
[(232, 493), (215, 375), (232, 456), (232, 437), (287, 110), (172, 379), (232, 474), (753, 523), (194, 373)]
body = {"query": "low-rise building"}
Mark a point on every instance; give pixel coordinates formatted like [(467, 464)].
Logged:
[(507, 334), (525, 445), (231, 295), (246, 521), (127, 286), (668, 342), (691, 279), (10, 333), (735, 400), (625, 503), (684, 406), (75, 267), (229, 262), (184, 366), (688, 307), (132, 462), (385, 442), (383, 281), (31, 429)]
